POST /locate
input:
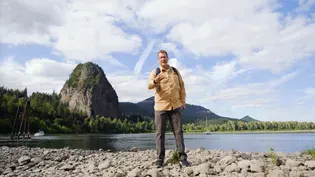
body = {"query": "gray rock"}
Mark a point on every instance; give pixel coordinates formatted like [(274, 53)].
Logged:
[(232, 168), (255, 168), (296, 174), (276, 173), (244, 164), (166, 172), (302, 167), (189, 171), (292, 163), (280, 161), (36, 160), (202, 169), (133, 149), (255, 175), (134, 173), (224, 162), (243, 172), (7, 171), (95, 97), (37, 170), (90, 167), (217, 169), (174, 172), (245, 156), (67, 167), (310, 164), (61, 158), (203, 175), (104, 165), (153, 173), (120, 173), (46, 152), (24, 159)]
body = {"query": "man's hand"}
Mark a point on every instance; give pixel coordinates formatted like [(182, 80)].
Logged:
[(158, 78)]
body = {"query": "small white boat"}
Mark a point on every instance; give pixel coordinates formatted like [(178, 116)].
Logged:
[(39, 133), (207, 132)]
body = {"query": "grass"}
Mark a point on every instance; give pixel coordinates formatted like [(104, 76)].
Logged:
[(174, 159), (311, 152), (273, 156)]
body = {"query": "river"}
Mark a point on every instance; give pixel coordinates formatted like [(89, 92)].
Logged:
[(246, 142)]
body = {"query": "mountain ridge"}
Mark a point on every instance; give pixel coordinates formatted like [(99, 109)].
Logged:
[(192, 113), (249, 119)]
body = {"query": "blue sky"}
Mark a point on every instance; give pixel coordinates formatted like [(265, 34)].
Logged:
[(237, 58)]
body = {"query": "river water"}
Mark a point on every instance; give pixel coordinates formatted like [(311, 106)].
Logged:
[(246, 142)]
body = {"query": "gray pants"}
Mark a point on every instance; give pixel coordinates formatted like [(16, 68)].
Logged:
[(175, 119)]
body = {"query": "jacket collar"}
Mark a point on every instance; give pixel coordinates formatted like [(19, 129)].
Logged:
[(162, 69)]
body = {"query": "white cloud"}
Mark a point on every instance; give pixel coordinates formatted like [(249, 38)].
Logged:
[(253, 32), (256, 89), (255, 103), (144, 56), (88, 35), (309, 91), (305, 5), (171, 47), (25, 23), (38, 75), (130, 87), (308, 94), (78, 30), (114, 61), (260, 37)]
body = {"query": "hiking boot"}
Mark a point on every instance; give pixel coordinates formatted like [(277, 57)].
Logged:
[(159, 164), (184, 163)]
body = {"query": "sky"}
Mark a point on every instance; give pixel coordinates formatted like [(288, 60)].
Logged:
[(237, 58)]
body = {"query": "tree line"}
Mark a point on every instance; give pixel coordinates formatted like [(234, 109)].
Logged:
[(49, 114), (250, 126)]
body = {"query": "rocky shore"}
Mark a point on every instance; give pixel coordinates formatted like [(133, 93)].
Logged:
[(25, 161)]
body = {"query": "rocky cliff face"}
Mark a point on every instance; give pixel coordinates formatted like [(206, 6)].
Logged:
[(89, 91)]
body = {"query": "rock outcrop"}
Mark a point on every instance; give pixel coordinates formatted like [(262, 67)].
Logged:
[(88, 90)]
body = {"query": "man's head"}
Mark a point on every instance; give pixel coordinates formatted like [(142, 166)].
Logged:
[(163, 58)]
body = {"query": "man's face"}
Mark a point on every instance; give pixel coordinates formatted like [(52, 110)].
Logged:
[(163, 59)]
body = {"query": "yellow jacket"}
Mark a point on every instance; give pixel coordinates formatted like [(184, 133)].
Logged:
[(170, 92)]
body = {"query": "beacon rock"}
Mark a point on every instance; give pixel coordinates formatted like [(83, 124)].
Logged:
[(89, 91)]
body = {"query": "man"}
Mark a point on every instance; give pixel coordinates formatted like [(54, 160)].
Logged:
[(170, 100)]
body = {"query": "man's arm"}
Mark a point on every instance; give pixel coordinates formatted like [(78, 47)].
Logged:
[(182, 94), (151, 84)]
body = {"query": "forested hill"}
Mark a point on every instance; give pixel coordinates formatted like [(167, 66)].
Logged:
[(193, 113), (48, 113), (249, 119)]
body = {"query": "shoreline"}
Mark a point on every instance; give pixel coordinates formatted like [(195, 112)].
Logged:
[(258, 131), (79, 162), (196, 132)]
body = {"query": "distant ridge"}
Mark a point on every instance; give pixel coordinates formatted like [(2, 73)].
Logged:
[(193, 113), (249, 119)]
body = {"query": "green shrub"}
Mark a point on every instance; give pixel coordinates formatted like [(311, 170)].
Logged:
[(273, 156)]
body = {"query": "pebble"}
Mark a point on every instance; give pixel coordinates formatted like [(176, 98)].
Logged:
[(94, 163)]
